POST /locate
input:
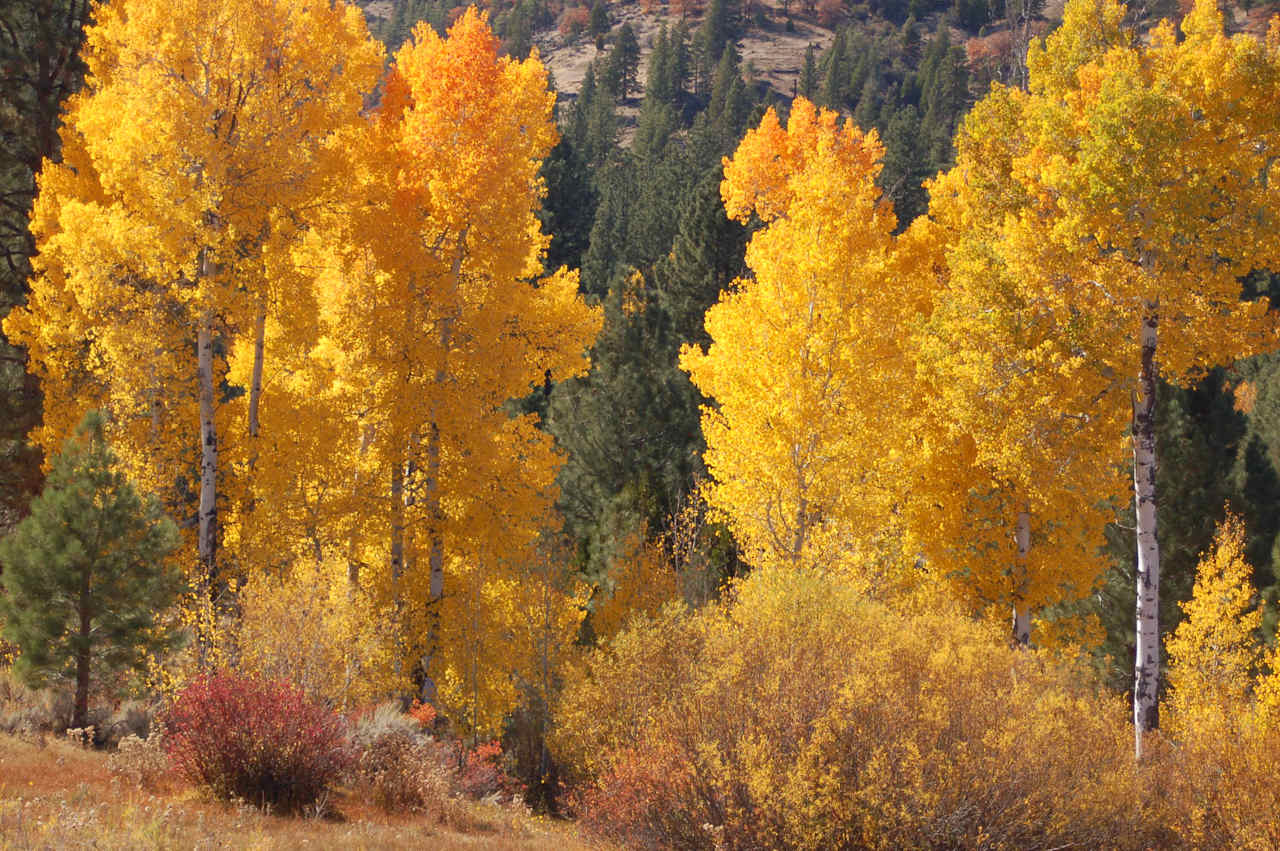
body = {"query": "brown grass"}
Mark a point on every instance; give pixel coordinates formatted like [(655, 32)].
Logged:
[(56, 795)]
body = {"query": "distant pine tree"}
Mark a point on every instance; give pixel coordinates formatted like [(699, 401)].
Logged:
[(808, 87)]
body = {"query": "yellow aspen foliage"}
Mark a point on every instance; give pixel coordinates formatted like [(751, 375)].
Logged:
[(1215, 652), (434, 313), (194, 158), (1150, 174), (1005, 493), (508, 633), (804, 352), (639, 581), (1222, 709), (315, 628), (1267, 692)]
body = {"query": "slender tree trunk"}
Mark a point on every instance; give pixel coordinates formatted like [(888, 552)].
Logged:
[(255, 385), (80, 712), (435, 557), (435, 508), (1021, 613), (353, 564), (397, 557), (208, 517), (397, 522), (1146, 666)]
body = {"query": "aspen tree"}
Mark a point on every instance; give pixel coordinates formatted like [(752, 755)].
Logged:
[(802, 353), (436, 313), (1015, 443), (193, 159), (1150, 175)]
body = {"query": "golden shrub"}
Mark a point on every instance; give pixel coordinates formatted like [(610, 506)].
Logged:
[(800, 713), (313, 627)]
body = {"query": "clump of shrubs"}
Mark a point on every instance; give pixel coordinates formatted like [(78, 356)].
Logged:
[(800, 714), (142, 762), (404, 772), (402, 767), (261, 741)]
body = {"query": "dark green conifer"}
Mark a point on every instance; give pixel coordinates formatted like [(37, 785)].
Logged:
[(808, 87), (86, 575)]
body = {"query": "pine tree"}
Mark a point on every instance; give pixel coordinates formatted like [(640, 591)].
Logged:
[(624, 62), (711, 40), (598, 22), (808, 85), (570, 205), (833, 80), (86, 576)]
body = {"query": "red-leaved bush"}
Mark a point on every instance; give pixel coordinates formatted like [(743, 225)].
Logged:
[(262, 741), (483, 775)]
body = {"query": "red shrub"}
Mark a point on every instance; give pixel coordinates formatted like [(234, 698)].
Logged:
[(424, 713), (641, 800), (482, 773), (262, 741)]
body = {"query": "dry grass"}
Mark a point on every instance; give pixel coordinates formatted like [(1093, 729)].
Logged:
[(56, 795)]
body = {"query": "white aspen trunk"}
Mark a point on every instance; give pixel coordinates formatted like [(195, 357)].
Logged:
[(1146, 666), (255, 385), (1021, 613), (208, 512)]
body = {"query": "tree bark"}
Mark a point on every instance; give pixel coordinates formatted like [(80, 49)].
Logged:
[(1146, 667), (255, 385), (435, 509), (1021, 613), (397, 521), (80, 712), (353, 565), (397, 556), (208, 517), (435, 555)]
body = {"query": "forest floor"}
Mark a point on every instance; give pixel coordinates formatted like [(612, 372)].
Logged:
[(56, 795)]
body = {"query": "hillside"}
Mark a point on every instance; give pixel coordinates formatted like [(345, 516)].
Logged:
[(775, 54)]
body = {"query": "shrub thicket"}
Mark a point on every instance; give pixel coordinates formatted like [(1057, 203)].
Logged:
[(800, 714)]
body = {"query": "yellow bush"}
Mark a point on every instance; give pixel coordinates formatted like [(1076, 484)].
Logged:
[(313, 627), (1221, 710), (639, 582), (1214, 653), (800, 713)]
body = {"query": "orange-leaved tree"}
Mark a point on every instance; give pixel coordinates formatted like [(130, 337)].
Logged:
[(435, 313)]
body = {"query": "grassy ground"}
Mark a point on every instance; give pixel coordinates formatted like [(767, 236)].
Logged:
[(56, 795)]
